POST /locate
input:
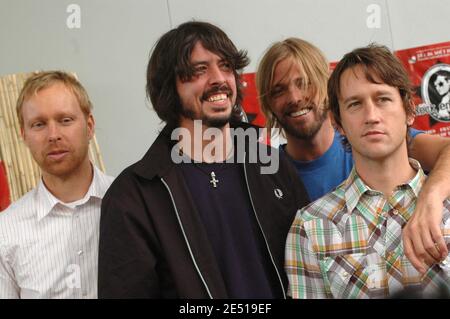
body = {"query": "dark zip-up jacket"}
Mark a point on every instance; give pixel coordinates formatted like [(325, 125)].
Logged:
[(153, 243)]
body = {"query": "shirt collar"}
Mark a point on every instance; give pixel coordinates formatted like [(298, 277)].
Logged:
[(355, 187), (47, 201)]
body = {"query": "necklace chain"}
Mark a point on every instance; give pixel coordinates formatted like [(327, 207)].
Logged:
[(212, 175)]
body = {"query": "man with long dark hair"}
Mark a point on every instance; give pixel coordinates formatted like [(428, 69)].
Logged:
[(188, 220)]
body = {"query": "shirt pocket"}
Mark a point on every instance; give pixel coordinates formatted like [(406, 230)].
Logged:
[(352, 275)]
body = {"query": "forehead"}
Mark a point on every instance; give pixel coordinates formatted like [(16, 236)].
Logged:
[(287, 69), (355, 80), (56, 98), (201, 54)]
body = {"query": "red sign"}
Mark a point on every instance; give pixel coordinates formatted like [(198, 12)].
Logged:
[(429, 70), (250, 102), (4, 189)]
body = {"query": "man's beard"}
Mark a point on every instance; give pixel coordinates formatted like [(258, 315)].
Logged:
[(217, 122), (210, 121), (305, 133)]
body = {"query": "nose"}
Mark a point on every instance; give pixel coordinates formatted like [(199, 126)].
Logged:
[(216, 75), (295, 94), (54, 133), (372, 114)]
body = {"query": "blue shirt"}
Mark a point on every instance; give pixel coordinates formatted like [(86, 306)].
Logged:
[(322, 175)]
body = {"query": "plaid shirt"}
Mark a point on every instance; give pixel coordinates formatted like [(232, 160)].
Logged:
[(347, 244)]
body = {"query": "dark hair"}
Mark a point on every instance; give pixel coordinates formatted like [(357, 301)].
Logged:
[(377, 61), (171, 58)]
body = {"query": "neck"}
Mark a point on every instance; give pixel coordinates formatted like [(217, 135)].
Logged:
[(311, 149), (385, 174), (206, 144), (71, 187)]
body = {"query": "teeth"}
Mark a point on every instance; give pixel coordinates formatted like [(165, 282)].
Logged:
[(301, 112), (218, 97)]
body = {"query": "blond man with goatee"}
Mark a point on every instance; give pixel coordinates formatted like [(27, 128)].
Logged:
[(49, 237)]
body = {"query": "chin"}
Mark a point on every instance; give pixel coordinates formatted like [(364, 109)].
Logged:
[(60, 169), (217, 121), (375, 154)]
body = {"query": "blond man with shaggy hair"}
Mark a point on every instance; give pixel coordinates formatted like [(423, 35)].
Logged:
[(49, 237)]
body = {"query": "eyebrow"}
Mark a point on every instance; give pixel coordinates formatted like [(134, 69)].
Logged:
[(207, 61), (195, 63), (357, 96)]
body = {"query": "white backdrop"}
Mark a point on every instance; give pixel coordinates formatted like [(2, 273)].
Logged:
[(110, 49)]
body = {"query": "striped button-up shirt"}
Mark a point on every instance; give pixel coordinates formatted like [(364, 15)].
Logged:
[(348, 244), (49, 249)]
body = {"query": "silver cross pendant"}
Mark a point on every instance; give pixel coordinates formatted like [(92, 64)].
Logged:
[(213, 180)]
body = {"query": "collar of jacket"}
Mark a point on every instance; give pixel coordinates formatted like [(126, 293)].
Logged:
[(157, 161)]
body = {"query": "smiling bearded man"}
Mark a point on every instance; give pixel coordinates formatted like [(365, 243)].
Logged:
[(212, 226)]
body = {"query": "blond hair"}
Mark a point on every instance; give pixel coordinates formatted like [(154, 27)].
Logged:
[(44, 79), (308, 57)]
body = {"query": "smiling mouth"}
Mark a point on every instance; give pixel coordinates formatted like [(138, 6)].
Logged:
[(217, 97), (301, 112)]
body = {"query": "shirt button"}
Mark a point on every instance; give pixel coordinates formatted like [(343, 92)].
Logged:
[(80, 252), (344, 274)]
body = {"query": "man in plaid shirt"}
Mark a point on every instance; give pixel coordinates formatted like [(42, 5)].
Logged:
[(347, 244)]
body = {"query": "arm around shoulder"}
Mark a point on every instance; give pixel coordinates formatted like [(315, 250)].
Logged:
[(422, 236)]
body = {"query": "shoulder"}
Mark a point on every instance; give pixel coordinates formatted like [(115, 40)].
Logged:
[(325, 208), (20, 207), (22, 210), (104, 180), (125, 185), (414, 132)]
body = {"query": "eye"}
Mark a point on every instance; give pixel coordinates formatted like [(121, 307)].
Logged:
[(276, 92), (353, 104), (199, 70), (66, 120), (302, 84), (226, 66), (37, 125), (384, 99)]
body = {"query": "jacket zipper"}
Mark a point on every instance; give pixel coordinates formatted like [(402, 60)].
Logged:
[(186, 239), (262, 231)]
